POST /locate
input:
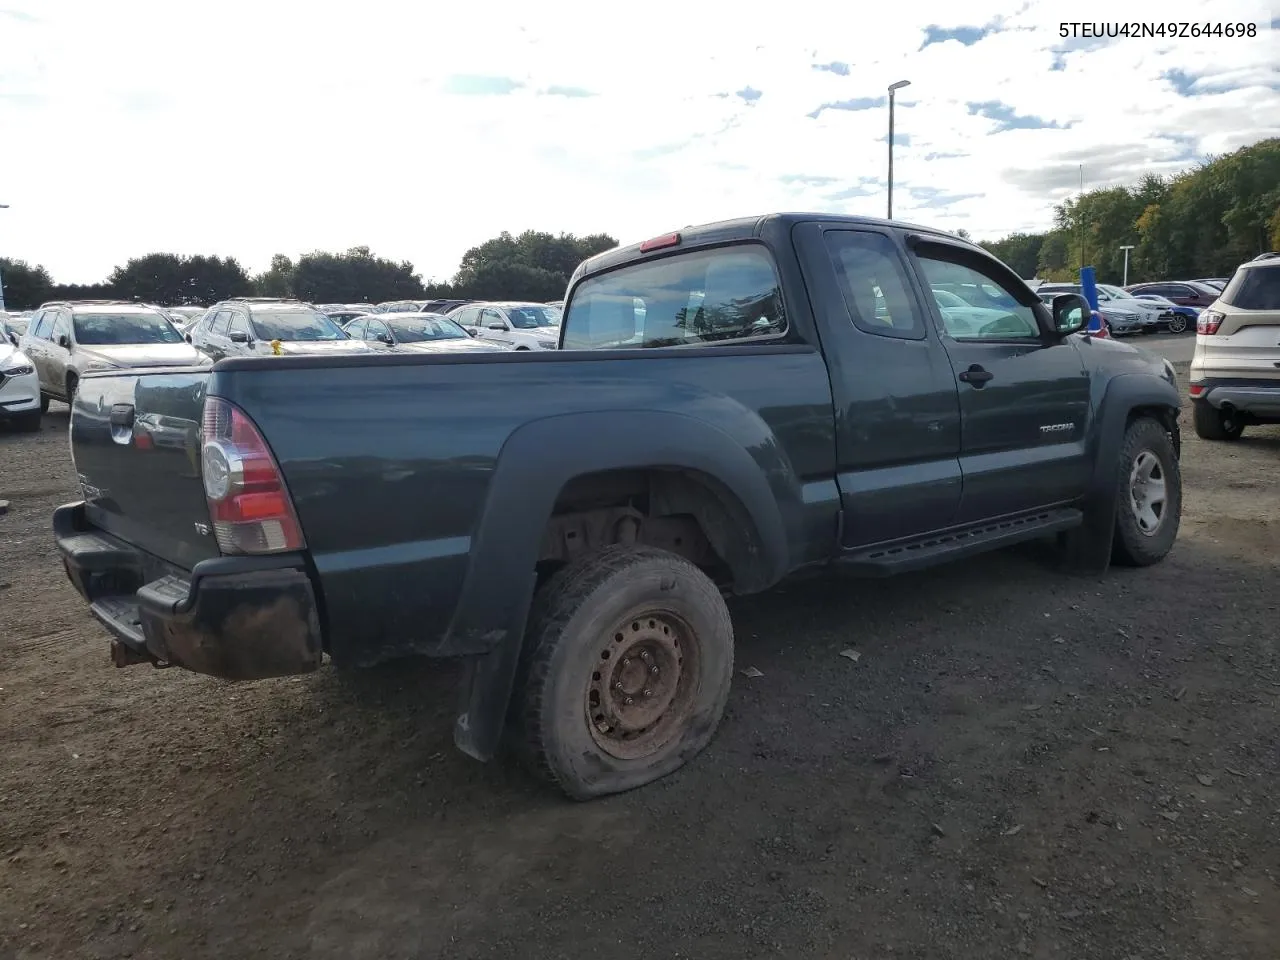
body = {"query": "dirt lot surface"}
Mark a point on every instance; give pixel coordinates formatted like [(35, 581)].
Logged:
[(1020, 764)]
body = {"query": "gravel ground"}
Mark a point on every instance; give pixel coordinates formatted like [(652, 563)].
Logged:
[(1020, 764)]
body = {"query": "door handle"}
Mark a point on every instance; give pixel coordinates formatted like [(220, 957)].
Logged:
[(977, 376)]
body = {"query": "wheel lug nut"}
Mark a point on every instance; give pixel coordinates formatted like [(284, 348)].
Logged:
[(654, 671), (628, 701), (618, 685), (626, 661), (648, 692)]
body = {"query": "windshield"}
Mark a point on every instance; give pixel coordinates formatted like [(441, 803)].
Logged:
[(433, 328), (531, 316), (1116, 292), (295, 325), (100, 329)]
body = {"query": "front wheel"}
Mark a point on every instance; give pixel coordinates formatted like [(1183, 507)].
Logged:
[(626, 672), (44, 403), (29, 422), (73, 383), (1177, 323), (1150, 495), (1215, 424)]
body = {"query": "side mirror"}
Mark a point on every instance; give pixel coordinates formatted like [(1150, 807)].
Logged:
[(186, 337), (386, 338), (1070, 313), (471, 331), (496, 325), (65, 342), (238, 336)]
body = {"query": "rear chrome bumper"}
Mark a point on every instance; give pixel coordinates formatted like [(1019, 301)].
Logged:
[(239, 618)]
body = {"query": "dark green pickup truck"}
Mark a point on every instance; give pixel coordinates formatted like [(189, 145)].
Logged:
[(731, 404)]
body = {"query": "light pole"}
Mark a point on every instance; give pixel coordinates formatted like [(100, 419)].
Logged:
[(1125, 281), (892, 88)]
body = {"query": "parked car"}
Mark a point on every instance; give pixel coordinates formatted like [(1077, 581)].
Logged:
[(416, 333), (567, 524), (1218, 283), (18, 322), (443, 306), (69, 339), (19, 387), (1235, 370), (1124, 313), (248, 328), (1186, 293), (402, 306), (1188, 314), (521, 326)]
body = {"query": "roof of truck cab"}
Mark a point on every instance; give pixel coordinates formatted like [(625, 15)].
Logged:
[(743, 228)]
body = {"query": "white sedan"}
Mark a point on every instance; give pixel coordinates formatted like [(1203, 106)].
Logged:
[(19, 388)]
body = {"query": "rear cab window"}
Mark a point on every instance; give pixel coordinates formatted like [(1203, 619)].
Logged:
[(716, 296), (1254, 288)]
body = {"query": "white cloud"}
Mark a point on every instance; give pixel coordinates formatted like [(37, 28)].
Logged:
[(248, 128)]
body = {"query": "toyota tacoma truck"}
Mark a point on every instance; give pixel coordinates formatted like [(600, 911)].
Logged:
[(731, 405)]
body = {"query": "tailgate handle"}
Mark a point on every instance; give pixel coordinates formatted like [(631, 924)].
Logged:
[(122, 414)]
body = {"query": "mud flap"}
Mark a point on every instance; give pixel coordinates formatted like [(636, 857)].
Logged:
[(486, 687)]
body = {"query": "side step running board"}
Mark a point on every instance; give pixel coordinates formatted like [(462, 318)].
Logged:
[(914, 554)]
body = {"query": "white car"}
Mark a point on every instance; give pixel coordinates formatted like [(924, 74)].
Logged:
[(416, 333), (517, 325), (19, 388)]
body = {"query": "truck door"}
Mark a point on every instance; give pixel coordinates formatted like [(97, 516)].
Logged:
[(1024, 393), (896, 407)]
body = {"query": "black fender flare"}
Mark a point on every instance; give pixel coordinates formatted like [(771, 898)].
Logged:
[(534, 465), (1122, 395)]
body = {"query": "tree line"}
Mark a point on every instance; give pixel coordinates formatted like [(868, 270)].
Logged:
[(531, 266), (1203, 222)]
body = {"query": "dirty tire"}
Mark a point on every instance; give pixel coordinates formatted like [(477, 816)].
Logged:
[(573, 629), (73, 383), (1213, 424), (1133, 546)]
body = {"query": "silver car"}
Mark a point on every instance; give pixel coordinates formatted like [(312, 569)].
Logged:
[(66, 340)]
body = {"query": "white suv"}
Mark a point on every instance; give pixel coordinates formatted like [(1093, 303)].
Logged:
[(519, 326), (1235, 372)]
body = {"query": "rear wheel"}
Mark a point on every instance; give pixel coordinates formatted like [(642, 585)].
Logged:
[(1215, 424), (1150, 495), (1177, 323), (626, 672)]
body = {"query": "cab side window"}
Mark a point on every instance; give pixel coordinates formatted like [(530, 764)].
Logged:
[(989, 311), (874, 284)]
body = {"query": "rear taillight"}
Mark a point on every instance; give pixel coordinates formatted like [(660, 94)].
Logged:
[(1208, 322), (248, 501), (1196, 390)]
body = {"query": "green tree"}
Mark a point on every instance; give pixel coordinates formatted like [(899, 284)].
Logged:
[(1202, 222), (276, 281), (532, 266), (24, 286), (356, 276), (1020, 251), (174, 280)]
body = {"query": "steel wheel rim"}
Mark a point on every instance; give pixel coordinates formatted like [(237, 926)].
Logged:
[(642, 685), (1148, 493)]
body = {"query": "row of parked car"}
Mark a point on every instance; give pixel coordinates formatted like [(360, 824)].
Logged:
[(44, 355), (1147, 307)]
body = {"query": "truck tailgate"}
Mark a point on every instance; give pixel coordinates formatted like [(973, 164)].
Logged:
[(135, 438)]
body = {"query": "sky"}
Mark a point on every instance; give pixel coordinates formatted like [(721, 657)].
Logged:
[(251, 127)]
